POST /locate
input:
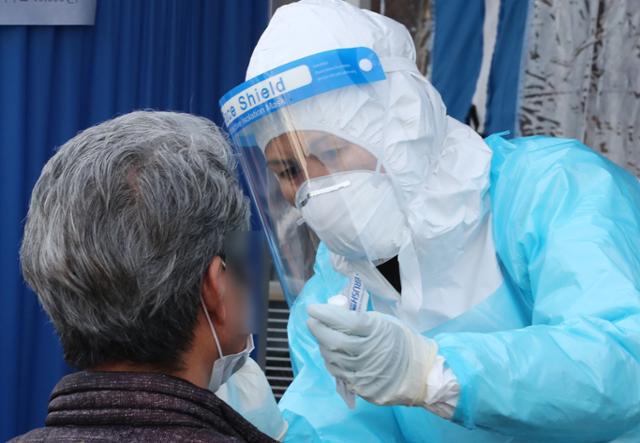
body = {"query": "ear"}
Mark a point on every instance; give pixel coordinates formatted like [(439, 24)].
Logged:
[(213, 290)]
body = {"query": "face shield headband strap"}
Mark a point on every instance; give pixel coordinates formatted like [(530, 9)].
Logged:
[(397, 64), (296, 81)]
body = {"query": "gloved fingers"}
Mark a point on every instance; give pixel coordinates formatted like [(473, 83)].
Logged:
[(341, 360), (341, 373), (355, 384), (347, 362), (340, 319), (332, 340)]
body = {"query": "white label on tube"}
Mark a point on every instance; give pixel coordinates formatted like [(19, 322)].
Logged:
[(355, 298)]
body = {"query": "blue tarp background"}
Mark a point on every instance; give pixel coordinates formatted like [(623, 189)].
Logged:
[(171, 55), (457, 56), (55, 81), (457, 52), (506, 67)]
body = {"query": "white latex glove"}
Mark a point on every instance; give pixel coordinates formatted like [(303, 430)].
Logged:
[(380, 359)]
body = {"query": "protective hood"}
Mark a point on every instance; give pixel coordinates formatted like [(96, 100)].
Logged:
[(439, 167), (407, 135)]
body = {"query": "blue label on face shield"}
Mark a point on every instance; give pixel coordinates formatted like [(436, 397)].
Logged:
[(297, 81)]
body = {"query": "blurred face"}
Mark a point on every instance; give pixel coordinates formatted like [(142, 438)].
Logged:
[(298, 156), (226, 299), (233, 333)]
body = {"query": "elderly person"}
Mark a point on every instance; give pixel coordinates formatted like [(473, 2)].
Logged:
[(124, 247)]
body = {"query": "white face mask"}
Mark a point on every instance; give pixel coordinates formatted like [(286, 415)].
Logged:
[(355, 213), (225, 365)]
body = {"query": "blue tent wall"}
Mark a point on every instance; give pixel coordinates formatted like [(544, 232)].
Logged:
[(457, 52), (457, 56), (506, 67), (54, 81)]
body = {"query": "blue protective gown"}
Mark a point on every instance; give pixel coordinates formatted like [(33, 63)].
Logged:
[(552, 355)]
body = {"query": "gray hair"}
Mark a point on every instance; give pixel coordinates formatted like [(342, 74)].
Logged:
[(123, 223)]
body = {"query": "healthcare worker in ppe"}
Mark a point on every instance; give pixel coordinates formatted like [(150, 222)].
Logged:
[(503, 276)]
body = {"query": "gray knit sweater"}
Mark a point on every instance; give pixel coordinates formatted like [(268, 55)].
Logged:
[(141, 407)]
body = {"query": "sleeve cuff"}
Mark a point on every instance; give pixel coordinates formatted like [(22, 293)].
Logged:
[(443, 389)]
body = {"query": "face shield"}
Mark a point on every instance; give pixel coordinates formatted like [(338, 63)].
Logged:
[(310, 137)]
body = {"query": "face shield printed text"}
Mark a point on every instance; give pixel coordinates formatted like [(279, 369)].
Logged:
[(264, 91), (256, 114), (296, 81)]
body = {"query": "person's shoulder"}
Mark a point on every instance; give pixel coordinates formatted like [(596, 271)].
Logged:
[(198, 436), (117, 435), (176, 434), (541, 152), (549, 173), (536, 161), (36, 435)]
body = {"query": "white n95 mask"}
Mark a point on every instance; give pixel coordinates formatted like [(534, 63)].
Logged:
[(226, 365), (355, 213)]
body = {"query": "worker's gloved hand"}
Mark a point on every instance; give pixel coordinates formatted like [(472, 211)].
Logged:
[(380, 359)]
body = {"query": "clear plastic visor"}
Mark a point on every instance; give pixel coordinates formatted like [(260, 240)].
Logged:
[(298, 172), (313, 177)]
